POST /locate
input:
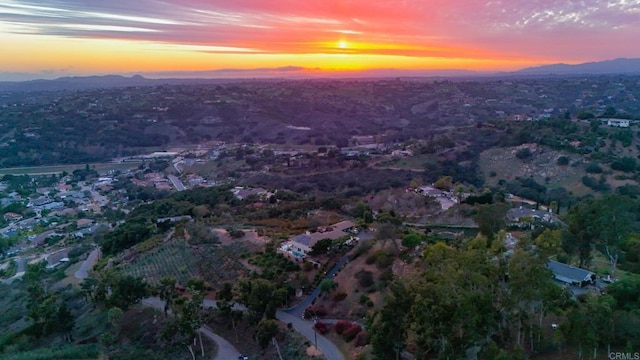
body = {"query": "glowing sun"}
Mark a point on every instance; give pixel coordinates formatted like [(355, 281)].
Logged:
[(342, 44)]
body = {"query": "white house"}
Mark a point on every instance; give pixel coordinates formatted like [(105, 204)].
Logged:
[(300, 245), (623, 123)]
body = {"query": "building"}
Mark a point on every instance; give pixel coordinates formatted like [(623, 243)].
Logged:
[(570, 274), (623, 123), (242, 193), (300, 245), (525, 216)]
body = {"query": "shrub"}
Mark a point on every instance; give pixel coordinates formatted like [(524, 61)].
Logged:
[(596, 185), (350, 333), (371, 258), (361, 339), (365, 278), (524, 154), (341, 326), (339, 296), (625, 164), (363, 299), (235, 233), (411, 240), (562, 161), (314, 311), (593, 168), (362, 248), (383, 260), (386, 275), (321, 327)]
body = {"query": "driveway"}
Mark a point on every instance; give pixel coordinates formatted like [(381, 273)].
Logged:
[(299, 309), (87, 264)]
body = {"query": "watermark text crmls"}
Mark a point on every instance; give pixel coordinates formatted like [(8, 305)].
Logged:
[(624, 355)]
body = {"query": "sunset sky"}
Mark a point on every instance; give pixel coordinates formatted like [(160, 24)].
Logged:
[(52, 38)]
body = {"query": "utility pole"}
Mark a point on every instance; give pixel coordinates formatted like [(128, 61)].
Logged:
[(315, 335), (273, 340)]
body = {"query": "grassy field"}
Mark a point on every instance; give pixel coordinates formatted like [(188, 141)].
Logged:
[(57, 169)]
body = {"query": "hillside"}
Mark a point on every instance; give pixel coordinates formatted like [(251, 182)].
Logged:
[(50, 127)]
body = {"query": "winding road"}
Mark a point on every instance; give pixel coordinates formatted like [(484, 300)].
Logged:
[(226, 350), (291, 316), (20, 261)]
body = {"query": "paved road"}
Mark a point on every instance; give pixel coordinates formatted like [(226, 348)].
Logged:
[(21, 265), (176, 182), (305, 328), (20, 261), (226, 350), (87, 264)]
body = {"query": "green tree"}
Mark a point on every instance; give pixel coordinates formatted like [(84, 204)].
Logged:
[(616, 214), (444, 183), (265, 331), (491, 218), (167, 292), (387, 327), (411, 240), (549, 242), (363, 212), (183, 328), (126, 290), (456, 303), (257, 296), (326, 285), (603, 223)]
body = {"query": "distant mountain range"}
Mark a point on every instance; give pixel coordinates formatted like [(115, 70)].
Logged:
[(616, 66), (94, 82)]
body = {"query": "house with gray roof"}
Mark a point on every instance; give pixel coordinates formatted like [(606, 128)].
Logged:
[(570, 274), (517, 215)]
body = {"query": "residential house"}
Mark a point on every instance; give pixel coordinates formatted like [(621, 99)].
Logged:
[(58, 258), (517, 216), (623, 123), (430, 191), (446, 199), (571, 275), (300, 245), (53, 205), (242, 193), (40, 238), (43, 200), (10, 216)]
